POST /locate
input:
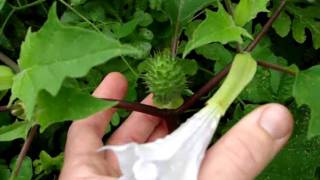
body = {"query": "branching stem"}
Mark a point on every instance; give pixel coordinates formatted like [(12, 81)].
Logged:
[(276, 67), (18, 8), (266, 27), (204, 90), (134, 106)]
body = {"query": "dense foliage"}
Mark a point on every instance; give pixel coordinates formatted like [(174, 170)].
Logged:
[(171, 48)]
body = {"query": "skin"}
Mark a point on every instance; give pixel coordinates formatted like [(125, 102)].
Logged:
[(241, 154)]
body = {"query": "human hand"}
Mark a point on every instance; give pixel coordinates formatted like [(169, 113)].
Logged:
[(242, 153)]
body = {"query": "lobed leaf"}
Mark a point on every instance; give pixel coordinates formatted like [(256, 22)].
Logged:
[(306, 18), (181, 11), (303, 19), (282, 25), (57, 51), (246, 10), (217, 27)]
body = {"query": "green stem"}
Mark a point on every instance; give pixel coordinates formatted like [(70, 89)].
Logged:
[(28, 5), (9, 62), (15, 8), (206, 71), (6, 21), (130, 68), (80, 15)]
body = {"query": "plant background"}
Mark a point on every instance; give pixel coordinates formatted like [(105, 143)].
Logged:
[(293, 41)]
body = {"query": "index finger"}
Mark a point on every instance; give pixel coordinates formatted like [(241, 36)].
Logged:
[(85, 136)]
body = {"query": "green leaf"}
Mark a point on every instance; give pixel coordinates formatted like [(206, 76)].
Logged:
[(306, 91), (4, 170), (15, 131), (259, 90), (282, 25), (305, 19), (25, 172), (247, 10), (68, 104), (217, 27), (115, 121), (72, 52), (6, 76), (215, 52), (2, 2), (300, 158), (46, 163), (123, 30), (182, 11), (189, 67)]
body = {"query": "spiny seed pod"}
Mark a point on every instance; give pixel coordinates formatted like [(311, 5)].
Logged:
[(18, 110), (166, 80)]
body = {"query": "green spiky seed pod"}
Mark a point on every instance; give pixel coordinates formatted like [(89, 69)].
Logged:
[(166, 80)]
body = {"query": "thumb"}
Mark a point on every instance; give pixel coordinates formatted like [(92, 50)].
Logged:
[(249, 146)]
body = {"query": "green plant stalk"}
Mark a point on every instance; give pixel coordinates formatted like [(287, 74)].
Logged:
[(241, 73)]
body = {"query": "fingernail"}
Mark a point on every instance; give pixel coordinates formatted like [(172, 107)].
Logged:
[(276, 121)]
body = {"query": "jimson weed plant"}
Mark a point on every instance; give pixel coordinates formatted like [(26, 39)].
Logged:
[(54, 54)]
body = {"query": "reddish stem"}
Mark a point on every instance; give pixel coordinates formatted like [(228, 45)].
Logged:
[(266, 27), (205, 89)]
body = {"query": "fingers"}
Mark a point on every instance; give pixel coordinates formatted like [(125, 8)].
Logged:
[(137, 128), (160, 131), (85, 135), (249, 146)]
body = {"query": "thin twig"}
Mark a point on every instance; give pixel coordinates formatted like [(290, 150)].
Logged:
[(135, 106), (4, 109), (23, 152), (80, 15), (15, 8), (276, 67), (28, 5), (8, 61), (266, 27)]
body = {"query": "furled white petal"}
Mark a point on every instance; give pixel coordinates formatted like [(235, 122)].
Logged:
[(175, 157)]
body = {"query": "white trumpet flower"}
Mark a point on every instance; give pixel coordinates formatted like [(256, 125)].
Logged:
[(178, 156)]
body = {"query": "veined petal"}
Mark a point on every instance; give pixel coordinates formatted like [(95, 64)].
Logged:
[(176, 156)]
